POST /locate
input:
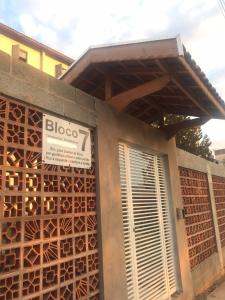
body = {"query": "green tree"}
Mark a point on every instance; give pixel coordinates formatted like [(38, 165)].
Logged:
[(191, 139)]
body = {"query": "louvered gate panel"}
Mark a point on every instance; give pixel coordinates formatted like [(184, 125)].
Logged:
[(147, 234), (127, 225), (169, 243)]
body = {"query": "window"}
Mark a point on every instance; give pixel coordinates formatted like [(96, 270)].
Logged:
[(23, 55)]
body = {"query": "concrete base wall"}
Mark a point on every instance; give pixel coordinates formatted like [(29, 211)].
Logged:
[(206, 273), (190, 161)]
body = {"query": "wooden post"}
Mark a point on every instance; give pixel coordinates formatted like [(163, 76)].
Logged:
[(215, 221), (108, 87)]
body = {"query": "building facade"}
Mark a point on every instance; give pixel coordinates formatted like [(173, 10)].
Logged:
[(32, 52)]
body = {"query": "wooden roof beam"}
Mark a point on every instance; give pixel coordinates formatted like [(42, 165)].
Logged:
[(152, 105), (192, 98), (123, 99), (99, 88), (183, 111), (201, 84), (172, 130), (174, 103), (87, 80), (184, 90), (125, 67), (140, 72), (109, 77)]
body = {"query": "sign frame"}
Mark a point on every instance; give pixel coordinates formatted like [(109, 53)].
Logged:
[(65, 143)]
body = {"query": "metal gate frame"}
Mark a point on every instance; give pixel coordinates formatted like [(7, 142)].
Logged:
[(130, 231)]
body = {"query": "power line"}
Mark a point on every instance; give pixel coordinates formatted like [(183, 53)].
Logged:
[(222, 6), (222, 3)]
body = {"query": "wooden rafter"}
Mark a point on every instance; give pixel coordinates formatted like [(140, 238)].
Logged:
[(187, 93), (140, 71), (152, 105), (173, 96), (172, 130), (174, 102), (97, 89), (88, 81), (184, 111), (123, 99), (201, 84), (111, 76), (124, 67), (154, 118)]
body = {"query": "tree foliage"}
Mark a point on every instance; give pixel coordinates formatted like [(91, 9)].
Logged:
[(192, 139)]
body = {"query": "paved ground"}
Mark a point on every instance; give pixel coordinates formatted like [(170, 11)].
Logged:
[(218, 293)]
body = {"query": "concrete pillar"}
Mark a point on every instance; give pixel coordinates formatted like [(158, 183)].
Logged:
[(15, 52), (186, 285)]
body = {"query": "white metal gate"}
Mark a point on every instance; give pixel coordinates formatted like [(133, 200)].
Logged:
[(149, 248)]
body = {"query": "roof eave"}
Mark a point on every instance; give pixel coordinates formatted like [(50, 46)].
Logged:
[(159, 49), (18, 36), (127, 51), (204, 88)]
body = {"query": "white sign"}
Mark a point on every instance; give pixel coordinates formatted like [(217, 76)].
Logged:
[(65, 143)]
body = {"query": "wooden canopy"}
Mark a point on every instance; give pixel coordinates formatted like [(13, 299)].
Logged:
[(148, 80)]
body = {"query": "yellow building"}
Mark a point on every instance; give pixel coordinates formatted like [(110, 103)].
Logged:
[(32, 52)]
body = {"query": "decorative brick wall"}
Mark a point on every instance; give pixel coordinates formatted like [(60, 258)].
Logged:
[(199, 219), (219, 194), (48, 221)]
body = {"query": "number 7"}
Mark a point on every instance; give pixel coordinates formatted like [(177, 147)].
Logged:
[(86, 135)]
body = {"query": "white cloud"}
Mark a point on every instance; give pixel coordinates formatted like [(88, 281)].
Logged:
[(28, 25), (92, 22), (33, 29), (206, 43), (195, 8), (215, 129)]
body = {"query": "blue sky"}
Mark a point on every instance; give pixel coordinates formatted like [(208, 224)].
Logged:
[(71, 26)]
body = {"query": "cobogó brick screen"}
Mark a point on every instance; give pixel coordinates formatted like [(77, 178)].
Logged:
[(219, 194), (48, 227), (198, 220)]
